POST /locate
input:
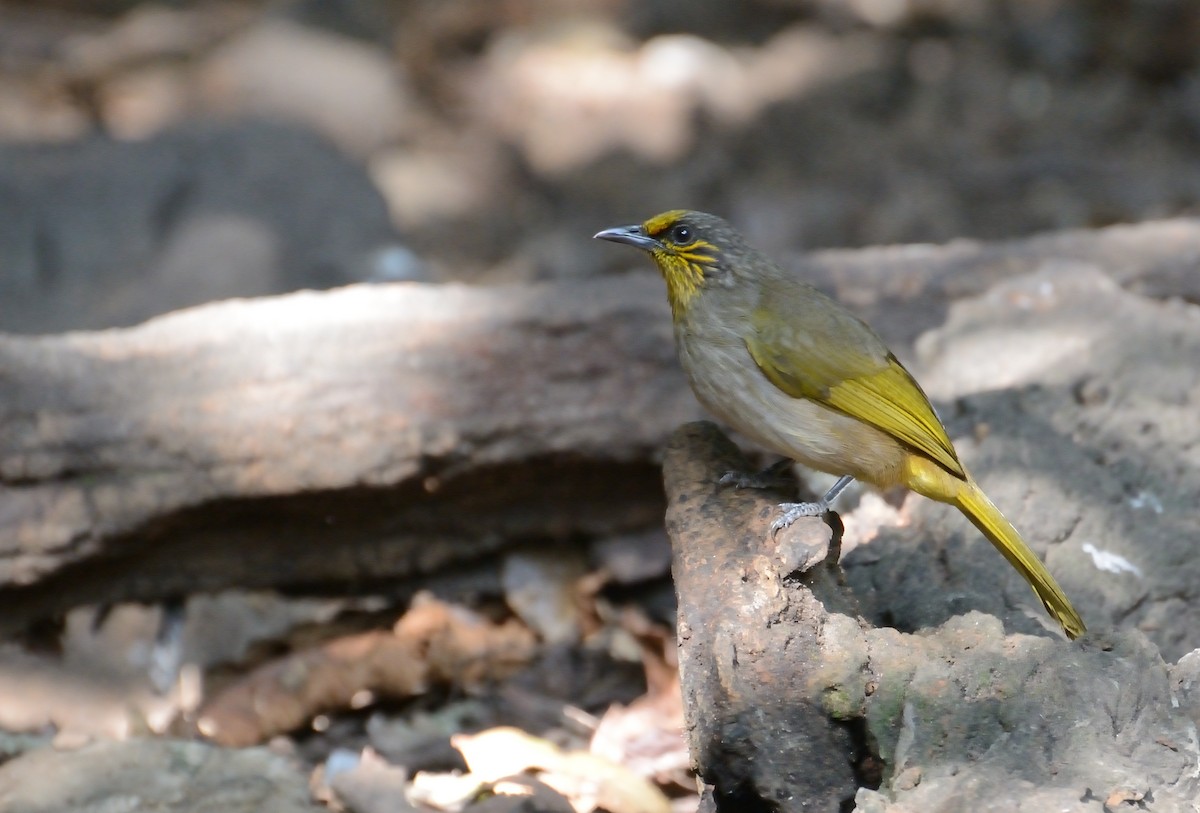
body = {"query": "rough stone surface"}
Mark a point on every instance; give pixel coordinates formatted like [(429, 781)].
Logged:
[(786, 691), (756, 730), (1074, 403), (968, 719), (153, 776)]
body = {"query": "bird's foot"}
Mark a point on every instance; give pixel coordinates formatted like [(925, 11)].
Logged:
[(793, 511), (773, 476)]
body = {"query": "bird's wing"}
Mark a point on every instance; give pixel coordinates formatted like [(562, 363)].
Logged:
[(826, 354)]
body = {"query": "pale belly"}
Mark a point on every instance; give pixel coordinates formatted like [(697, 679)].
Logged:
[(730, 386)]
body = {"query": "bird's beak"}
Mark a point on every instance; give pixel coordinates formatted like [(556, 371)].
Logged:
[(629, 235)]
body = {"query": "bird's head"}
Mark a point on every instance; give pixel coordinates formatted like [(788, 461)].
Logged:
[(693, 250)]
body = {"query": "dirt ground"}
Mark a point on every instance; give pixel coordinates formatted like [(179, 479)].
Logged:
[(155, 156)]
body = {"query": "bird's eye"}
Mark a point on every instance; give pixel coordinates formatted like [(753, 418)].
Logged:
[(681, 234)]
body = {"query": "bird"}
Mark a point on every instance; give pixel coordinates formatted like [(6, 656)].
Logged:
[(799, 374)]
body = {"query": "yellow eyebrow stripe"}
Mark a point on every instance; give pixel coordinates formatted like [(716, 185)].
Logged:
[(660, 223)]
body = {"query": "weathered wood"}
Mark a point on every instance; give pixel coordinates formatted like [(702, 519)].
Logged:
[(902, 291), (336, 438), (757, 728), (377, 433)]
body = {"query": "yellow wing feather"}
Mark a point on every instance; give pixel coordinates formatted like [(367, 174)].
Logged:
[(892, 401), (875, 388)]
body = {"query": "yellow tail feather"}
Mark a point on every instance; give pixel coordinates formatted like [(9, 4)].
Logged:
[(985, 516), (926, 477)]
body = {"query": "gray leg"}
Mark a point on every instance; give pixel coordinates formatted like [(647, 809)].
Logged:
[(837, 488), (793, 511)]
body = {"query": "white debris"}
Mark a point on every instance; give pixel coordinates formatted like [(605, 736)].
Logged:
[(1146, 499), (1111, 562)]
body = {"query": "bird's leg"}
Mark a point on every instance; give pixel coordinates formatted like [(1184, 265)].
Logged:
[(793, 511), (836, 489), (770, 477)]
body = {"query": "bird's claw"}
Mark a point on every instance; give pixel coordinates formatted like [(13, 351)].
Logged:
[(793, 511)]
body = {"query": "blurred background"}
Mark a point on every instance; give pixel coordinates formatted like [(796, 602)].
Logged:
[(159, 154)]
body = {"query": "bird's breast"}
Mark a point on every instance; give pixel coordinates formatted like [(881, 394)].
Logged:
[(729, 384)]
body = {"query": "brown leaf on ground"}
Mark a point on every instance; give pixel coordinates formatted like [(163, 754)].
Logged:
[(433, 643), (1122, 796), (647, 737), (589, 781)]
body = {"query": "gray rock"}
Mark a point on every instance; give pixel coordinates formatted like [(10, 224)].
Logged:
[(792, 702), (1073, 403), (968, 719), (99, 233), (153, 776)]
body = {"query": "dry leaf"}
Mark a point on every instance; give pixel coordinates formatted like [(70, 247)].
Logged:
[(589, 781)]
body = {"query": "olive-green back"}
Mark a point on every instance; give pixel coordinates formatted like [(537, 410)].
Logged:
[(811, 347)]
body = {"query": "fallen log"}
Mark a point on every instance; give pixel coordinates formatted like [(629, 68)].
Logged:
[(336, 439), (377, 433)]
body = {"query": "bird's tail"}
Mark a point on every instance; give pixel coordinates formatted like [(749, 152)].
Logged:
[(985, 516)]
